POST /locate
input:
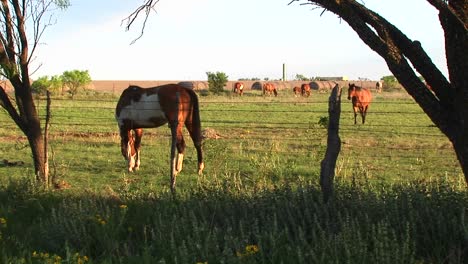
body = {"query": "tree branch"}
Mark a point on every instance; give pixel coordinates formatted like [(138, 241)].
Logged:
[(392, 45), (9, 38), (146, 7), (5, 102), (413, 51), (23, 40)]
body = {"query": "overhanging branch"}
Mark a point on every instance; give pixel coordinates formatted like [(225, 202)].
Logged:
[(147, 7)]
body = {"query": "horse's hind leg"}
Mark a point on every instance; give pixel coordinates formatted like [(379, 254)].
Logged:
[(180, 149), (173, 159), (195, 134)]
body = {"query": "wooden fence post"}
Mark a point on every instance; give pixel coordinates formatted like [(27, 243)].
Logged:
[(46, 141), (328, 164)]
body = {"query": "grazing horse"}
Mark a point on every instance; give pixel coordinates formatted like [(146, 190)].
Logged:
[(378, 86), (297, 91), (153, 107), (305, 89), (238, 88), (269, 88), (361, 99)]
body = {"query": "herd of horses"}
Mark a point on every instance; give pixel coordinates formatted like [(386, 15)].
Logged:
[(304, 90), (176, 105)]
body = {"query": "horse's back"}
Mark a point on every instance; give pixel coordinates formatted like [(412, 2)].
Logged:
[(151, 107), (364, 96)]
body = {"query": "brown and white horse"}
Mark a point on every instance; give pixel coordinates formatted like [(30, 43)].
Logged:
[(378, 86), (140, 108), (361, 99), (269, 88), (238, 88)]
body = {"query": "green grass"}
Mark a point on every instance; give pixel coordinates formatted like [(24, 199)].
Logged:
[(400, 194)]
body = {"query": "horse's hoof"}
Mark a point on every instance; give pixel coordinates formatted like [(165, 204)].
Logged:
[(201, 166)]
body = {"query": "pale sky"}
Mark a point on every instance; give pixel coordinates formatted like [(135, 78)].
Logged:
[(242, 38)]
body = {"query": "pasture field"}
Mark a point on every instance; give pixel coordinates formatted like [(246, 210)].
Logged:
[(400, 194)]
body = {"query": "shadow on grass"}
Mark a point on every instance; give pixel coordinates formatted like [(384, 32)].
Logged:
[(400, 223)]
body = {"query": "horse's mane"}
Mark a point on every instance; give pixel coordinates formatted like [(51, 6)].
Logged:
[(355, 86)]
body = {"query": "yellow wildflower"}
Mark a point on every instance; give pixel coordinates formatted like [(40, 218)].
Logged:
[(3, 222), (251, 249), (123, 206)]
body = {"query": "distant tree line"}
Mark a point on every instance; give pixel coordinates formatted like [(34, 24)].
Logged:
[(71, 82)]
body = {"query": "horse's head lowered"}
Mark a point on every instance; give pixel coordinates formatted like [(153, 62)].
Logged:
[(130, 150)]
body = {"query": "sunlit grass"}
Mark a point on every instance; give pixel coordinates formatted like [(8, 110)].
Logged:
[(400, 196)]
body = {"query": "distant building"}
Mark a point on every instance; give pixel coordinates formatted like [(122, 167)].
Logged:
[(341, 78)]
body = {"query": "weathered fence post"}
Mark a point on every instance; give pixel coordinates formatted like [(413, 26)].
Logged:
[(46, 141), (327, 166)]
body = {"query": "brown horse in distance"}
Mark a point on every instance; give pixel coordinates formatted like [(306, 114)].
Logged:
[(269, 88), (305, 89), (140, 108), (238, 88), (297, 91), (361, 99)]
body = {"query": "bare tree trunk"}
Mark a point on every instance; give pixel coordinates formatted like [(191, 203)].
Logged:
[(28, 121), (327, 167), (36, 142)]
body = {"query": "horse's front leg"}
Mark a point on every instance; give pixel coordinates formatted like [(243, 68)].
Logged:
[(355, 114), (363, 114), (138, 136)]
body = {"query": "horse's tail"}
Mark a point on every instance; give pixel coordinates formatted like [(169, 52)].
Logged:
[(275, 92), (196, 130), (196, 121)]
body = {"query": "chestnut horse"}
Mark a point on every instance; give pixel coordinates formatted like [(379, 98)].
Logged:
[(305, 90), (269, 88), (153, 107), (297, 91), (361, 99), (238, 88)]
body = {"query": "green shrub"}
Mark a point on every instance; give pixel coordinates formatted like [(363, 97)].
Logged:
[(216, 82)]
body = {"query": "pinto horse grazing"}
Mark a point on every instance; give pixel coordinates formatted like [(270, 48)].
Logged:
[(305, 89), (238, 88), (361, 99), (153, 107), (269, 88)]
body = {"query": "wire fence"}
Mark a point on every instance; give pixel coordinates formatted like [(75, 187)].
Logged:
[(393, 136)]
